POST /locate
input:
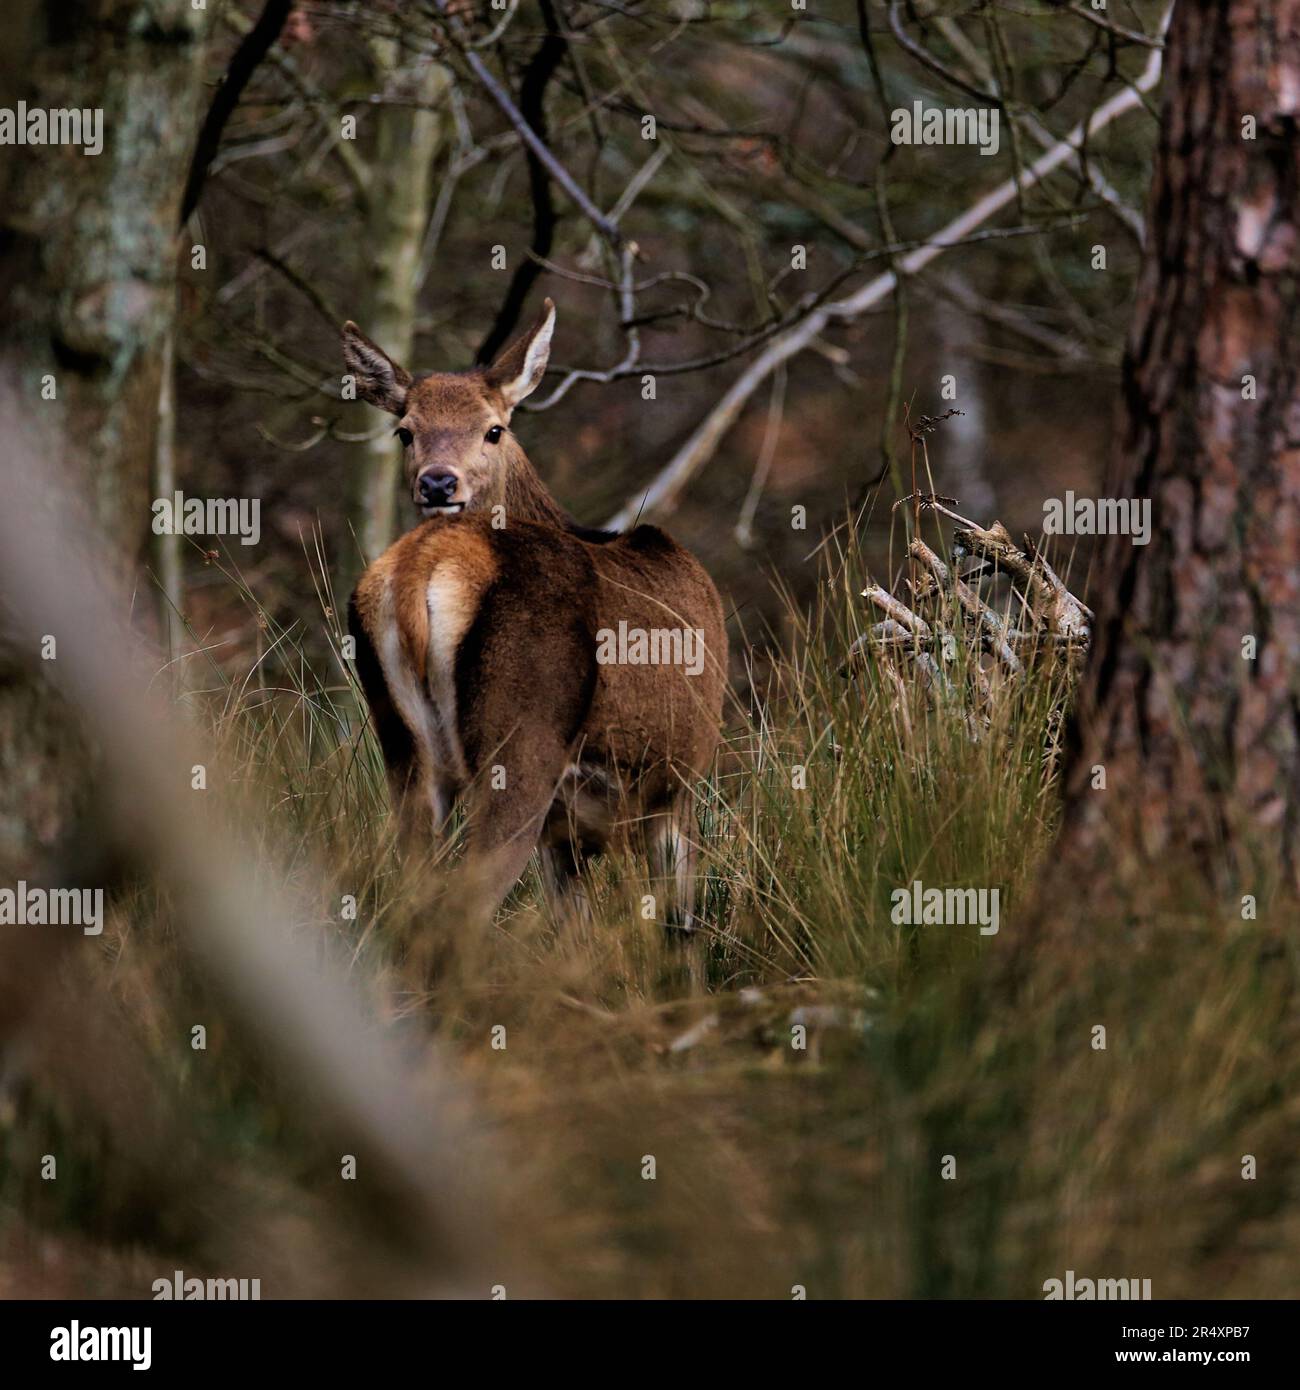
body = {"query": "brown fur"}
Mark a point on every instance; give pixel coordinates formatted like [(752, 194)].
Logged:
[(477, 644)]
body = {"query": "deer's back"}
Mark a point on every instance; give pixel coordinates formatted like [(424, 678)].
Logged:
[(481, 631)]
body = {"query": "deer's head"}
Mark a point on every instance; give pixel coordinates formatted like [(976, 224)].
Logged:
[(454, 426)]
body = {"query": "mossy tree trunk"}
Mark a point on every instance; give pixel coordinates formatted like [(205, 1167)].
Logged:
[(90, 251)]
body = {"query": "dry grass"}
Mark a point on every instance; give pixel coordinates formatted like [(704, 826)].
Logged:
[(775, 1166)]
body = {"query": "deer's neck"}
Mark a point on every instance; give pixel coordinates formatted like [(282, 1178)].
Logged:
[(528, 498)]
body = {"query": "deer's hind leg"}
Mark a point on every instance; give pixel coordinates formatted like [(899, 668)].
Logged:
[(672, 846), (507, 809), (523, 689), (564, 868), (577, 828)]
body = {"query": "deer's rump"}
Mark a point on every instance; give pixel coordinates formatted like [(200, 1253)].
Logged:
[(532, 653)]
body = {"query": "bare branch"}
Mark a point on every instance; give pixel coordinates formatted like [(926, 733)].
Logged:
[(664, 489), (532, 109), (255, 46), (529, 136), (1049, 596)]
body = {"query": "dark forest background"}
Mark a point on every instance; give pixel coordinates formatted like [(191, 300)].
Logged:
[(771, 133)]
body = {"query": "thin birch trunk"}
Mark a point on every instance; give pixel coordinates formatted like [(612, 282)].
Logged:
[(396, 212)]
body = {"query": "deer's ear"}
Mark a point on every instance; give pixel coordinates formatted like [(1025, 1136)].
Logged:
[(519, 368), (379, 379)]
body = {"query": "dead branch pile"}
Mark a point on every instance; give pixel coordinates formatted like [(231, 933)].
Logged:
[(948, 613)]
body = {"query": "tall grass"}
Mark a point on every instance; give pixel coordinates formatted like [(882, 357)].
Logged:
[(830, 1099)]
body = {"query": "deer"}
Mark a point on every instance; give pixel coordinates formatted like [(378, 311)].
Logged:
[(561, 685)]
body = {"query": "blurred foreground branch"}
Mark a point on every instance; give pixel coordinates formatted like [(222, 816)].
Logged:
[(413, 1139)]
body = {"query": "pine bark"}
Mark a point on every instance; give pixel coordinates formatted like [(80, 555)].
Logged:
[(1191, 703)]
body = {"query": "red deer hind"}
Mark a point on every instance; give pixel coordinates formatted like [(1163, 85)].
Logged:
[(564, 685)]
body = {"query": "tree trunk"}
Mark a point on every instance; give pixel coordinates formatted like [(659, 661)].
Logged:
[(396, 215), (86, 295), (1191, 702)]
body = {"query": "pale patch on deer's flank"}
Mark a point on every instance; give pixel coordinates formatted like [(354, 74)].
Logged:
[(430, 715), (452, 603)]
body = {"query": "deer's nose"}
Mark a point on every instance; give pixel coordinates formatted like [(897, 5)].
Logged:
[(436, 489)]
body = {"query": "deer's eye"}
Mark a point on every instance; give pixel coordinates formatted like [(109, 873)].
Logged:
[(494, 434), (405, 436)]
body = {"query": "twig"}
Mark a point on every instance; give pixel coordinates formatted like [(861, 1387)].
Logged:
[(529, 136), (667, 484), (748, 510), (532, 109), (255, 46), (952, 31), (1049, 597), (896, 609)]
